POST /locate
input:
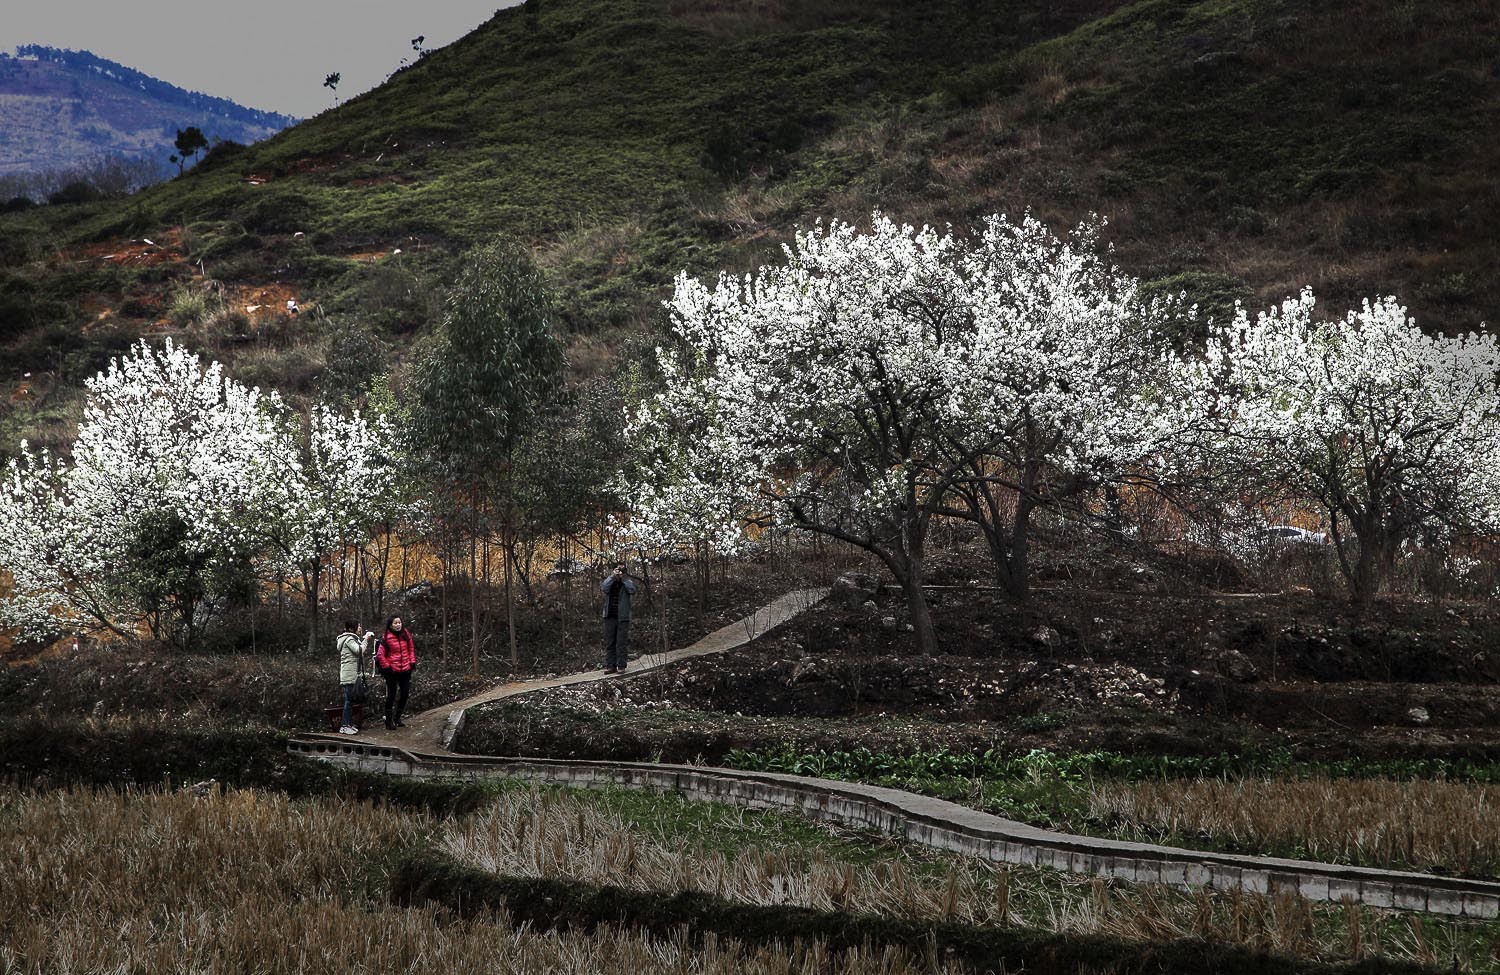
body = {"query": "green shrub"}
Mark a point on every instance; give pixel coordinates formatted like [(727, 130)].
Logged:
[(190, 305), (77, 191)]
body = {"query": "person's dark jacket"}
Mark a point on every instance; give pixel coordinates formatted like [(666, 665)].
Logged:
[(627, 590)]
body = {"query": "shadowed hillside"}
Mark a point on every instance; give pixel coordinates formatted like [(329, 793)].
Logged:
[(1241, 148)]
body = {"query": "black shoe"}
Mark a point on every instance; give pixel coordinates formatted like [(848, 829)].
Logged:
[(400, 723), (610, 670), (391, 725)]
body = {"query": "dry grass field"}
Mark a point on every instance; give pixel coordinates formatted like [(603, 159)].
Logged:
[(201, 880), (1452, 824), (249, 881), (576, 837)]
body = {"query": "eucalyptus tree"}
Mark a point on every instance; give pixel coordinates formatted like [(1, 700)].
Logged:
[(1391, 433), (493, 366)]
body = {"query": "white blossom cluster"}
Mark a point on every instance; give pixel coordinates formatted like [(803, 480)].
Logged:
[(347, 479), (875, 369), (1393, 433), (164, 434), (880, 377)]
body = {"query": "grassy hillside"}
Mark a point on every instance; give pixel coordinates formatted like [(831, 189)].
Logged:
[(1241, 147)]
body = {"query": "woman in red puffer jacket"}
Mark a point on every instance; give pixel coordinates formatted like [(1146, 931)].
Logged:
[(396, 657)]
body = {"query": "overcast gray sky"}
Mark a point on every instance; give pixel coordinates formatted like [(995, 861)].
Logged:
[(267, 54)]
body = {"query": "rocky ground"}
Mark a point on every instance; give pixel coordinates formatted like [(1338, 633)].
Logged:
[(1094, 666)]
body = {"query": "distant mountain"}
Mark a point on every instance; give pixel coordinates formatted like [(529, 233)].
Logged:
[(64, 109)]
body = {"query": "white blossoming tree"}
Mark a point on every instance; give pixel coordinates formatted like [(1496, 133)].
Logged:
[(881, 379), (182, 485), (33, 523), (159, 510), (1063, 385), (341, 478), (1393, 434), (820, 382), (690, 494)]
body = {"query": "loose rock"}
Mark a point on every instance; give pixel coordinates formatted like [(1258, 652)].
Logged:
[(1236, 666), (853, 589)]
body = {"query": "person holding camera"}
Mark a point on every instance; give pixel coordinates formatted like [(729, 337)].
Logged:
[(396, 657), (617, 587), (348, 644)]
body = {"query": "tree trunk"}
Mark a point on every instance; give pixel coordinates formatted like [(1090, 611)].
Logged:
[(908, 565), (385, 565), (661, 610), (1016, 579), (510, 599), (447, 559), (703, 567), (566, 563), (313, 582), (923, 634), (1370, 570), (474, 584)]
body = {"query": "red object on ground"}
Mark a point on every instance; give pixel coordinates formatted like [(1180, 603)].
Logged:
[(335, 716)]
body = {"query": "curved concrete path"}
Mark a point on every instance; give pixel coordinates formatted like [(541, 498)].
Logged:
[(436, 728), (421, 750)]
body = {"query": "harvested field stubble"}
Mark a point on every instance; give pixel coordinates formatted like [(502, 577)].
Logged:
[(1418, 824), (326, 936), (562, 837), (227, 883)]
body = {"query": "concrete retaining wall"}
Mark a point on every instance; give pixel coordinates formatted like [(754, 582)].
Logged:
[(942, 825)]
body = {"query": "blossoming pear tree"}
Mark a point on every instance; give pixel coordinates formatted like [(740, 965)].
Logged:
[(1064, 383), (33, 533), (879, 379), (339, 480), (818, 381), (1391, 433), (690, 494), (181, 485), (172, 467)]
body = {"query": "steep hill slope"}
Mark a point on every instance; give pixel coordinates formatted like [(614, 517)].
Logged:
[(61, 109), (1242, 148)]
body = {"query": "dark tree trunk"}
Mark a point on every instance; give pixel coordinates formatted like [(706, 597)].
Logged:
[(474, 591), (447, 582), (314, 580), (510, 598), (1016, 577), (909, 569)]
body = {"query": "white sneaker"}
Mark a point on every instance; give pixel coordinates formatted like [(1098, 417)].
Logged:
[(348, 729)]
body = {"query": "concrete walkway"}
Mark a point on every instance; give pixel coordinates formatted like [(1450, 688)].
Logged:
[(435, 730), (421, 750)]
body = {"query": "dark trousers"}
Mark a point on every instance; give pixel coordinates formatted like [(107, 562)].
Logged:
[(397, 687), (348, 705), (616, 643)]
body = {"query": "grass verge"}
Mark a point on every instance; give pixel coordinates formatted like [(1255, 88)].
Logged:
[(1427, 815)]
